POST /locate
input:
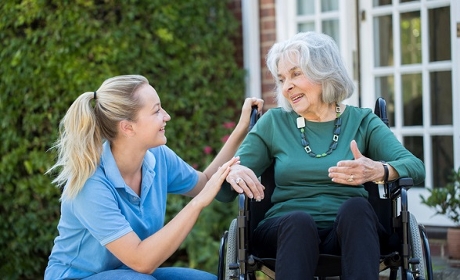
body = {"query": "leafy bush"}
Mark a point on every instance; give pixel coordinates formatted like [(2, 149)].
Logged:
[(52, 51), (445, 200)]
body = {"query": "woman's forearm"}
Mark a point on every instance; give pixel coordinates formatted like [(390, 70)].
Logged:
[(228, 150), (146, 255)]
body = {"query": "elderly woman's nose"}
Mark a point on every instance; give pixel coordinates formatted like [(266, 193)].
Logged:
[(287, 86)]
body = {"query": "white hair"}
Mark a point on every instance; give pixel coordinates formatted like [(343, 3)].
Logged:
[(318, 56)]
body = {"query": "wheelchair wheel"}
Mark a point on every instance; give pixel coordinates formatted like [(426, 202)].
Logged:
[(416, 249), (231, 252)]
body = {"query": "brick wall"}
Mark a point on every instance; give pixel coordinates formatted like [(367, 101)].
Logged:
[(267, 39)]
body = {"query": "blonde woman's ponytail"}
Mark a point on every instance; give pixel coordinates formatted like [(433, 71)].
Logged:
[(79, 146)]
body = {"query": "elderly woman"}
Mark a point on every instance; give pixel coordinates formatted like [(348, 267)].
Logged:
[(323, 151)]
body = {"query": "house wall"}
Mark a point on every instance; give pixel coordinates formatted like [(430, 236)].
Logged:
[(267, 39)]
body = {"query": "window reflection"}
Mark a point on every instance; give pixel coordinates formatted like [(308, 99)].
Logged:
[(415, 145), (376, 3), (439, 25), (412, 99), (331, 28), (329, 5), (411, 39), (306, 26), (305, 7), (383, 41), (384, 87), (443, 162), (441, 97)]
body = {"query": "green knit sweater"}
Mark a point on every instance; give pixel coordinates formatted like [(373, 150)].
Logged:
[(302, 182)]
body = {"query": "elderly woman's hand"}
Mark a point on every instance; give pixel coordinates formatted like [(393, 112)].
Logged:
[(243, 179), (357, 171)]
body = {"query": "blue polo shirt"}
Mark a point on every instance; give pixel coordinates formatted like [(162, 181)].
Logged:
[(107, 209)]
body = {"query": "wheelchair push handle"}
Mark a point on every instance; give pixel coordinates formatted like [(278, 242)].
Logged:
[(254, 117)]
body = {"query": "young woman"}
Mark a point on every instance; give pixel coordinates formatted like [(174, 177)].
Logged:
[(117, 171)]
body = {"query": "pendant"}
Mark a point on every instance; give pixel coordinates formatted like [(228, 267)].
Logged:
[(300, 122)]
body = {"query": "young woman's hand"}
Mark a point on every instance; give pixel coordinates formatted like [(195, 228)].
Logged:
[(247, 107), (205, 197)]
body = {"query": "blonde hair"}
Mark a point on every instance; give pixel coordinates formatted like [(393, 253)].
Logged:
[(84, 128), (319, 58)]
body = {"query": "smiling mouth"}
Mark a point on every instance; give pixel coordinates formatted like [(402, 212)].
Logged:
[(297, 97)]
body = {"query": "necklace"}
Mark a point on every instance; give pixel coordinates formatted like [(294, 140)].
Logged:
[(335, 137)]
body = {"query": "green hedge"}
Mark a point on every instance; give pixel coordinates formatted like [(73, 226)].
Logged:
[(52, 51)]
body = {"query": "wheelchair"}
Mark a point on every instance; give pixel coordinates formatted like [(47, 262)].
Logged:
[(406, 253)]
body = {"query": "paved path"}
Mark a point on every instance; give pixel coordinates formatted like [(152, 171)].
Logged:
[(443, 269)]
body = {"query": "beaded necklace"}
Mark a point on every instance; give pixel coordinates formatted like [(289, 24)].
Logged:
[(335, 137)]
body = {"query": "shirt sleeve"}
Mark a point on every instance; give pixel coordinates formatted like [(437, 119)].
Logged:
[(254, 153)]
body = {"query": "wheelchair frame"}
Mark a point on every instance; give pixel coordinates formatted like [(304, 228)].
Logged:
[(412, 258)]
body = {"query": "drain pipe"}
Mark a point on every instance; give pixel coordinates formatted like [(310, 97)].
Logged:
[(251, 47)]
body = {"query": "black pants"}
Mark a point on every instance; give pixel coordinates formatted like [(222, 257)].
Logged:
[(295, 242)]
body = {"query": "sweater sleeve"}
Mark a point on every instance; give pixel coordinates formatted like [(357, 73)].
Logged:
[(383, 145), (254, 153)]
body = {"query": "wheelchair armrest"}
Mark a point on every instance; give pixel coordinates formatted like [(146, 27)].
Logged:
[(393, 189)]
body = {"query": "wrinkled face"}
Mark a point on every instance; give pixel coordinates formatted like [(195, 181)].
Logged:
[(149, 126), (303, 94)]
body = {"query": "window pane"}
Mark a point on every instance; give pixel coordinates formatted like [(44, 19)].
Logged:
[(329, 5), (443, 162), (415, 145), (412, 99), (402, 1), (384, 87), (306, 26), (439, 25), (383, 41), (305, 7), (441, 97), (411, 39), (376, 3), (331, 28)]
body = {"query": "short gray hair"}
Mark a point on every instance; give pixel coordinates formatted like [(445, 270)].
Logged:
[(319, 58)]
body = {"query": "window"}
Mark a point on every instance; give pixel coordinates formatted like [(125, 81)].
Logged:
[(320, 16), (410, 65)]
